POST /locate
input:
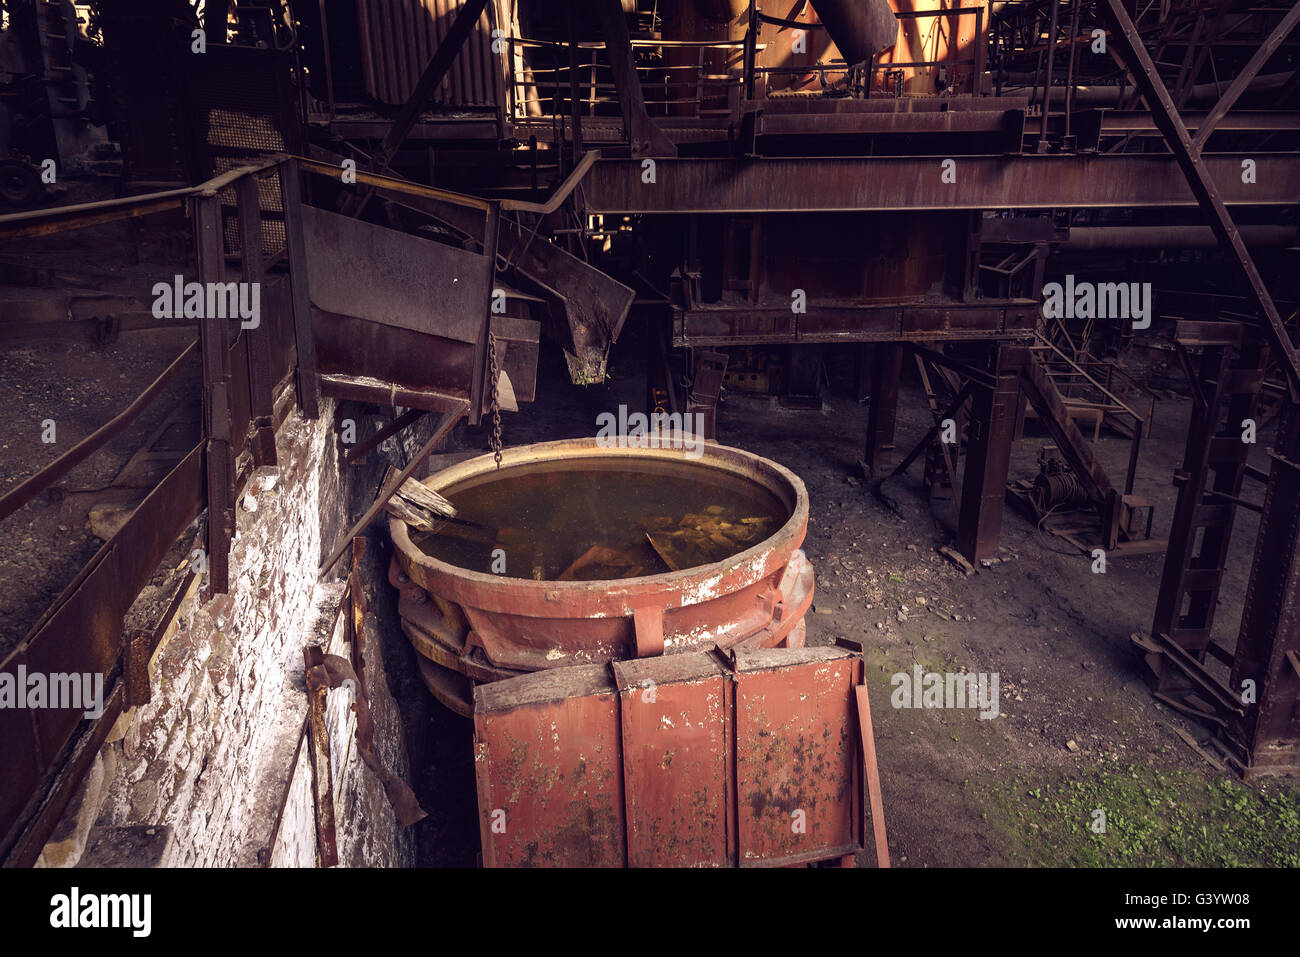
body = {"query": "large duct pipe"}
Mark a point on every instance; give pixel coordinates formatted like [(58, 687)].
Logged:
[(1171, 237), (860, 28), (1104, 95)]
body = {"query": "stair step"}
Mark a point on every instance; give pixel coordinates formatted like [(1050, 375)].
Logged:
[(1212, 516), (1201, 579), (1183, 636), (1228, 449)]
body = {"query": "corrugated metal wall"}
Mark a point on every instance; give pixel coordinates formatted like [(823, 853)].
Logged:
[(399, 36)]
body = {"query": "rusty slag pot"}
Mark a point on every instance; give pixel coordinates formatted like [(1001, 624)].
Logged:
[(473, 627)]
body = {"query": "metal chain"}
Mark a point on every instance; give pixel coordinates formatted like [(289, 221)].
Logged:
[(494, 375)]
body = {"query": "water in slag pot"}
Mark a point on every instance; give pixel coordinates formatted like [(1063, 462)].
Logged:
[(597, 519)]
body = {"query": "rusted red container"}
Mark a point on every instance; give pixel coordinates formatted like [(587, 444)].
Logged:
[(473, 627)]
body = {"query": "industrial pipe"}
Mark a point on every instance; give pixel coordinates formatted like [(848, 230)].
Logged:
[(860, 28), (1105, 95)]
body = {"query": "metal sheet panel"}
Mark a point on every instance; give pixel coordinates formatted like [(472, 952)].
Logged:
[(22, 765), (84, 633), (797, 755), (367, 350), (398, 37), (676, 724), (547, 761), (410, 283), (896, 182), (679, 760)]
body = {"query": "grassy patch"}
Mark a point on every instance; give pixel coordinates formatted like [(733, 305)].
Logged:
[(1153, 818)]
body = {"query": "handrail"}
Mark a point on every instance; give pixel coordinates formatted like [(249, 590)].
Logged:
[(561, 193), (42, 222), (59, 218), (1101, 388), (32, 486), (396, 185), (600, 45)]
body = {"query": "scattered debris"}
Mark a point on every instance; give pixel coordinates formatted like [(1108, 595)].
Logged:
[(104, 521), (957, 559), (417, 504), (1192, 743)]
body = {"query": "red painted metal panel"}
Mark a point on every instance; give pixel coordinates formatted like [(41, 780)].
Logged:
[(675, 723), (798, 761), (689, 759), (547, 759)]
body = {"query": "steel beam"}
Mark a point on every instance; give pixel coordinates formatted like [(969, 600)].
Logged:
[(886, 365), (988, 457), (1268, 645), (862, 322), (1244, 78), (214, 343), (877, 183), (1009, 123), (434, 72), (291, 197), (1202, 179), (1172, 237), (644, 136), (1262, 121), (260, 387), (1047, 81)]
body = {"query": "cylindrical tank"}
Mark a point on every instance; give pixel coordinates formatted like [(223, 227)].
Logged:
[(474, 626)]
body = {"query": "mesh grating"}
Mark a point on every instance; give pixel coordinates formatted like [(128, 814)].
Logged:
[(245, 104)]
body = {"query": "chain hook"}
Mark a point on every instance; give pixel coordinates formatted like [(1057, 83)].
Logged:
[(494, 375)]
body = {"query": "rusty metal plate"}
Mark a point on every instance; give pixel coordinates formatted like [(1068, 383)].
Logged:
[(417, 28), (520, 339), (798, 765), (410, 283), (355, 347), (83, 631), (676, 728), (953, 318), (548, 765), (879, 183), (23, 767), (685, 760)]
